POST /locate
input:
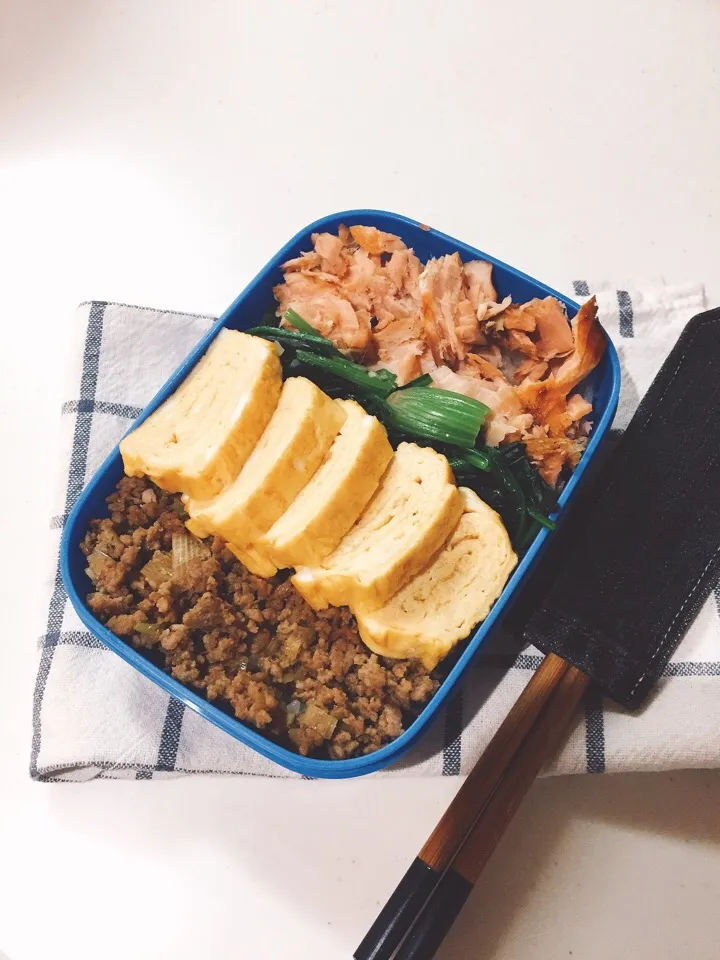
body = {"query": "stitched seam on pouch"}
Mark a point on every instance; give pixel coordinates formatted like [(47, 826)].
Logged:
[(664, 642)]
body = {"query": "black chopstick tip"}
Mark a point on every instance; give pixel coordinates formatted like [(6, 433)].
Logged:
[(391, 924), (436, 919)]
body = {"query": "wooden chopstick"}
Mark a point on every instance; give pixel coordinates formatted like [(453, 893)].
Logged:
[(401, 910), (441, 909)]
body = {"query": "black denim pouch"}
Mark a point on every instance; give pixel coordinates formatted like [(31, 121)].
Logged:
[(634, 562)]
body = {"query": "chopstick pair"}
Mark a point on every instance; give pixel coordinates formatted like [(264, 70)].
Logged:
[(426, 902)]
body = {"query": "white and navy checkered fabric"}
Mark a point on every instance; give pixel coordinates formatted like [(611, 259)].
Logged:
[(95, 716)]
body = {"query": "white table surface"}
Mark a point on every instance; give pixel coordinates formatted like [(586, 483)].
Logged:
[(157, 153)]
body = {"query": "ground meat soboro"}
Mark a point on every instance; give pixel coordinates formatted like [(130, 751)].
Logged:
[(251, 645)]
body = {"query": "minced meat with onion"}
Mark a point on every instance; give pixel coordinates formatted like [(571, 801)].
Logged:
[(253, 646)]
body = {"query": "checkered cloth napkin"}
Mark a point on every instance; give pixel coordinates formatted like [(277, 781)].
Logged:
[(95, 716)]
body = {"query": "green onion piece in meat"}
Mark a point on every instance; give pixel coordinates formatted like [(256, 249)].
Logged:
[(295, 320), (97, 562), (186, 547), (436, 415), (381, 383), (293, 711), (158, 570), (318, 720)]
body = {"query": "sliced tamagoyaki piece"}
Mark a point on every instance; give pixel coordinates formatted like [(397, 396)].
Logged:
[(197, 441), (455, 591), (410, 516), (325, 510), (301, 430)]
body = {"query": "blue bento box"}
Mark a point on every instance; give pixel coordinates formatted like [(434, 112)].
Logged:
[(247, 311)]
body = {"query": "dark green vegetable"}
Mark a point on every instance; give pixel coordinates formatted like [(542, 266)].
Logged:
[(539, 494), (541, 498), (297, 341), (469, 460), (541, 519), (302, 325), (436, 415), (513, 492), (513, 487), (380, 383), (425, 380)]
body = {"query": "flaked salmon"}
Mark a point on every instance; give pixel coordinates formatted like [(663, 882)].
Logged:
[(369, 293)]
